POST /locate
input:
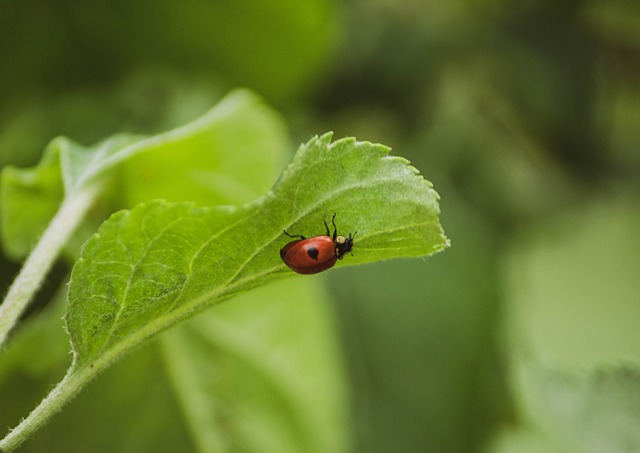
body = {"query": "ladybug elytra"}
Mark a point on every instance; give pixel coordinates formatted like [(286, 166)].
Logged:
[(317, 253)]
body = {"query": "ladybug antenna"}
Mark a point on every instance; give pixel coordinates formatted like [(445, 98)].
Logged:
[(335, 228), (293, 236)]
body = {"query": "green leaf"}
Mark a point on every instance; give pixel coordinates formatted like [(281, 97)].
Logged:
[(569, 412), (161, 262), (65, 168), (575, 296), (262, 373), (70, 179), (263, 370), (41, 190), (226, 156), (280, 47), (149, 267), (231, 155)]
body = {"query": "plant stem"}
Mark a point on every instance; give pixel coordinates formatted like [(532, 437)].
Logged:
[(57, 397), (34, 270)]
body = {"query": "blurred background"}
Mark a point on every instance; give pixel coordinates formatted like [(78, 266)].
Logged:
[(524, 115)]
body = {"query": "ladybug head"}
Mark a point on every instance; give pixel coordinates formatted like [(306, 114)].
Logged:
[(344, 245)]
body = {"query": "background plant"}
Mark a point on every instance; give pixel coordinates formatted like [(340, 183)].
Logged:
[(525, 118)]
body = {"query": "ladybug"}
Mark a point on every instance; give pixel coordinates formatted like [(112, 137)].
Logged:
[(318, 253)]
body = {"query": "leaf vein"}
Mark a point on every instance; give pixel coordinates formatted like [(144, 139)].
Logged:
[(136, 267)]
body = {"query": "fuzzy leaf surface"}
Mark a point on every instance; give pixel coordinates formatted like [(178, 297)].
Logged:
[(161, 262)]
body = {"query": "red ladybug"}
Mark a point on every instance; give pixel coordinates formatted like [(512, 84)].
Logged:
[(318, 253)]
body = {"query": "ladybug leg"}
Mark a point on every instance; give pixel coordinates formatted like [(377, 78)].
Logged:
[(335, 228), (327, 227), (293, 236)]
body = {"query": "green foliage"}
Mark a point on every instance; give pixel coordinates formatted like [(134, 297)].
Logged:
[(581, 281), (40, 189), (190, 163), (276, 48), (161, 262), (265, 392), (149, 267), (524, 114), (261, 370), (570, 412)]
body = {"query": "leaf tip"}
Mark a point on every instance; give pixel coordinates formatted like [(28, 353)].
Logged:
[(324, 139)]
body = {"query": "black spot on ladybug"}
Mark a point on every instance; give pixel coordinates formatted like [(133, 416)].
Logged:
[(313, 253)]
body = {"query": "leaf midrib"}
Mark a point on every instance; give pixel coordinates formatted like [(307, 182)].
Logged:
[(313, 206), (136, 267)]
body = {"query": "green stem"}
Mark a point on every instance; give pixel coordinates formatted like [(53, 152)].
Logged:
[(64, 391), (39, 262)]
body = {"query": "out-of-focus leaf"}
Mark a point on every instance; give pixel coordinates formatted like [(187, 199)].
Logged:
[(482, 141), (271, 382), (278, 48), (268, 379), (227, 155), (616, 20), (625, 133), (591, 412), (420, 343), (574, 286), (231, 155)]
